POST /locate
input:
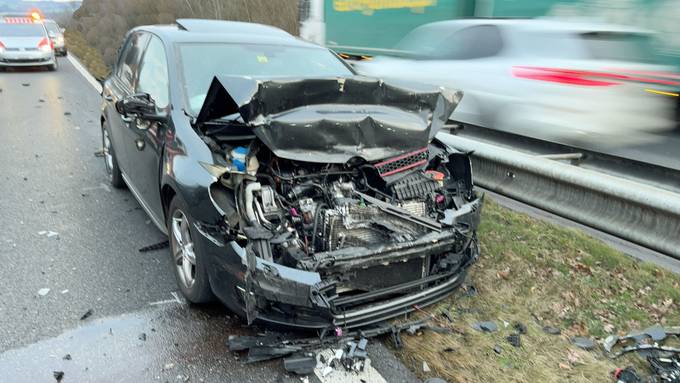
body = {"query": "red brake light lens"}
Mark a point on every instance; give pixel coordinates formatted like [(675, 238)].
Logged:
[(45, 43), (585, 77), (562, 76)]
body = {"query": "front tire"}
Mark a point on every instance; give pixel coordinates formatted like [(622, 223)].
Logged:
[(188, 261), (110, 161)]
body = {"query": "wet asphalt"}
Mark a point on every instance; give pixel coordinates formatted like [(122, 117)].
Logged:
[(64, 229)]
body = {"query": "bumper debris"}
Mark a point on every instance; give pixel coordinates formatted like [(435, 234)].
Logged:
[(349, 351)]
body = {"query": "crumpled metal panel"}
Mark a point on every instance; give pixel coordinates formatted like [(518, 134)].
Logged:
[(332, 120)]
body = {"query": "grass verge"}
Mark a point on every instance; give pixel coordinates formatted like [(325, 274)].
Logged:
[(88, 56), (539, 274)]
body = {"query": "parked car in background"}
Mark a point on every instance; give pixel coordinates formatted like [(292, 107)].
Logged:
[(25, 42), (293, 190), (57, 36), (540, 78)]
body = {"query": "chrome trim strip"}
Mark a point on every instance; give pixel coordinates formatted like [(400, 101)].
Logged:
[(146, 208), (397, 302)]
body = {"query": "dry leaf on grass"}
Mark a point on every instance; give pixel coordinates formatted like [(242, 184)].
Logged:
[(608, 328), (574, 357), (504, 274)]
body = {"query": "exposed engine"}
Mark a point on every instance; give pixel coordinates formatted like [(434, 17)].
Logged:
[(293, 210), (334, 194)]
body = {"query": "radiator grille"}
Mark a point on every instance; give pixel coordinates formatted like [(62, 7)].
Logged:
[(403, 162)]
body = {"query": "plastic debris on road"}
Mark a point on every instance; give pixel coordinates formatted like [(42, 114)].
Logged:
[(87, 314), (58, 375), (48, 233)]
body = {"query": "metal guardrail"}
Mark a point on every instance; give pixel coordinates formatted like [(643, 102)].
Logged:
[(630, 210)]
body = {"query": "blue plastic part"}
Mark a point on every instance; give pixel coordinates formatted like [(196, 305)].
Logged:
[(238, 156)]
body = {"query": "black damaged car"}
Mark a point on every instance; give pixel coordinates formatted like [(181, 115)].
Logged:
[(293, 190)]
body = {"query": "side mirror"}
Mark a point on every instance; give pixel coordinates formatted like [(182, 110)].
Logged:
[(139, 105)]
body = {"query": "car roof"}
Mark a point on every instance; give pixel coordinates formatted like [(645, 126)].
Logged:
[(14, 14), (539, 25), (216, 31)]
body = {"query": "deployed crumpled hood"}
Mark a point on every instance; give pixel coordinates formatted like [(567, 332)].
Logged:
[(332, 120)]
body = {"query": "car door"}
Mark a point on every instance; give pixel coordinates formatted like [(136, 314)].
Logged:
[(119, 85), (145, 144)]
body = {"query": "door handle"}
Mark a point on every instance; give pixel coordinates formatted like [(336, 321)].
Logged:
[(126, 119), (108, 97)]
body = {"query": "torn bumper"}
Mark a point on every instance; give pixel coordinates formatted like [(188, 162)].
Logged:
[(314, 298)]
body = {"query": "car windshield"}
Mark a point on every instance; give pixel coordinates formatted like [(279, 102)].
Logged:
[(21, 30), (203, 61), (633, 47)]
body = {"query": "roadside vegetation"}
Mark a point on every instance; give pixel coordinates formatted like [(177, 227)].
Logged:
[(540, 274), (98, 26), (90, 57)]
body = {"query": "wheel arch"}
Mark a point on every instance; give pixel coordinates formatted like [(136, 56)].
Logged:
[(167, 194)]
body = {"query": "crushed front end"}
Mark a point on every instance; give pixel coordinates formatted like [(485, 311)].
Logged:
[(343, 235)]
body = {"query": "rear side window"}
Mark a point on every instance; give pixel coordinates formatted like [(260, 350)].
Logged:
[(128, 62), (617, 46), (473, 43), (21, 30)]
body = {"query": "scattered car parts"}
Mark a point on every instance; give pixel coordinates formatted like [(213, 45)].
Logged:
[(646, 339), (663, 360), (350, 348)]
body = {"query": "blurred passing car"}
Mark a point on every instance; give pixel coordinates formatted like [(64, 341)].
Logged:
[(57, 37), (541, 78), (25, 42)]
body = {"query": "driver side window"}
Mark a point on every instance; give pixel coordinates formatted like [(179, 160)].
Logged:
[(153, 75), (128, 62)]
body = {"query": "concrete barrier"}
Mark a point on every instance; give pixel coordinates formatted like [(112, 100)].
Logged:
[(628, 209)]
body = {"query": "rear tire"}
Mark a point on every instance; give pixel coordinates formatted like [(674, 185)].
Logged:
[(110, 161), (188, 260)]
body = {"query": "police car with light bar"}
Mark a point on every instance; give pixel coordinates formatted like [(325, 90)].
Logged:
[(24, 41)]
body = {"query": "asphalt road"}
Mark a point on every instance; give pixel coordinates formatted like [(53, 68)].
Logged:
[(656, 148), (661, 149), (64, 229)]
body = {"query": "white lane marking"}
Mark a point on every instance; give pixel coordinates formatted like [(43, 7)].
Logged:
[(165, 302), (105, 187), (88, 77), (102, 186), (177, 299)]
